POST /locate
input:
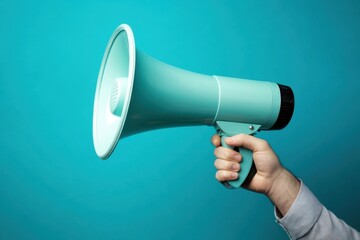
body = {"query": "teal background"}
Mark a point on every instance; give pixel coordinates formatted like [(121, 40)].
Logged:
[(160, 184)]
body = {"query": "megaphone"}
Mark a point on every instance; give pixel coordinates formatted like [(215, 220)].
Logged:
[(137, 93)]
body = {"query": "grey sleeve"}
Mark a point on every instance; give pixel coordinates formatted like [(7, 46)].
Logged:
[(309, 219)]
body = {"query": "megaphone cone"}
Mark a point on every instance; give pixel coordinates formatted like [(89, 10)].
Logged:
[(137, 93)]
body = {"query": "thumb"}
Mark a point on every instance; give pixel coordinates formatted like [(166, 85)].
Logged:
[(247, 141)]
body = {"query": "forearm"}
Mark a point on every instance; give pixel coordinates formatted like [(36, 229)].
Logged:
[(284, 191), (309, 219)]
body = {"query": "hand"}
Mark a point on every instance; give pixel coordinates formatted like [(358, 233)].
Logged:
[(271, 179), (266, 162)]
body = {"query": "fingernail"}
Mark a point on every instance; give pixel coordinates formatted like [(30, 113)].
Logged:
[(234, 175), (235, 166), (237, 157)]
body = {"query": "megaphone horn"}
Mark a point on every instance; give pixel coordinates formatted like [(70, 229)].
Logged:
[(137, 93)]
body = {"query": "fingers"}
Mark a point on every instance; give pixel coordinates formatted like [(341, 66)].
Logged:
[(227, 154), (247, 141), (227, 161), (223, 175), (227, 170), (215, 140), (221, 164)]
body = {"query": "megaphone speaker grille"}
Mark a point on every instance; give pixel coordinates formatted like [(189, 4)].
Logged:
[(113, 90)]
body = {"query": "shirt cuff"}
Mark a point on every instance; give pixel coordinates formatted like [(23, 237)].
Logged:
[(302, 215)]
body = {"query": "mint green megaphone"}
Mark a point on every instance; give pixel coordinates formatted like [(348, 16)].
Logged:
[(136, 93)]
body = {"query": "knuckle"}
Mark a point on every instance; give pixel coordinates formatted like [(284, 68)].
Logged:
[(264, 144), (223, 175), (229, 165), (222, 152), (228, 153), (242, 136), (234, 167)]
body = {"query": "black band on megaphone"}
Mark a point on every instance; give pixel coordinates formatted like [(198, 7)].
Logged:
[(286, 108)]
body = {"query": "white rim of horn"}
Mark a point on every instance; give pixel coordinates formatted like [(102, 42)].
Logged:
[(113, 90)]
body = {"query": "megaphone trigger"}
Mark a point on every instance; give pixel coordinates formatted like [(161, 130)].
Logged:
[(248, 169)]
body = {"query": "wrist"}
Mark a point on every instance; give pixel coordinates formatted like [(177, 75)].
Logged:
[(284, 190)]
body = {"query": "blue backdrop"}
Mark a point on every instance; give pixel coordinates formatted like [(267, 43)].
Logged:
[(160, 184)]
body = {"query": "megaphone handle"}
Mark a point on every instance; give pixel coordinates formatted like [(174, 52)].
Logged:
[(247, 169)]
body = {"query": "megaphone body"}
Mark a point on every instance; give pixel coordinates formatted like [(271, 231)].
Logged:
[(137, 93)]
